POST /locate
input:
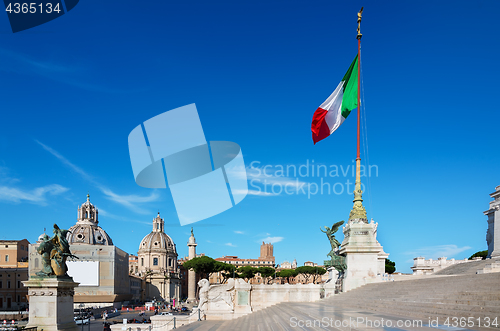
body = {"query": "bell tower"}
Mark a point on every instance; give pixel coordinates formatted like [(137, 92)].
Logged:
[(88, 212), (158, 223)]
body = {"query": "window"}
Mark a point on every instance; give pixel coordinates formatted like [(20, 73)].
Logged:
[(8, 284), (155, 261), (18, 286), (6, 258), (142, 262), (169, 262), (36, 263), (1, 285), (18, 298)]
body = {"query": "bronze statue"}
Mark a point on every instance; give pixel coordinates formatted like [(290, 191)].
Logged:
[(330, 233), (336, 261), (54, 252)]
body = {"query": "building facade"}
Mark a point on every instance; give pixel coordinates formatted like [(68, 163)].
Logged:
[(13, 271)]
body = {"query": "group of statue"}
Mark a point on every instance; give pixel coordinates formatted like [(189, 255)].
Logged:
[(54, 251)]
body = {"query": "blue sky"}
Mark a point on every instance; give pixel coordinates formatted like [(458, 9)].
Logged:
[(74, 88)]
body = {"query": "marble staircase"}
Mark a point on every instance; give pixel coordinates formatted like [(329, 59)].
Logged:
[(437, 297)]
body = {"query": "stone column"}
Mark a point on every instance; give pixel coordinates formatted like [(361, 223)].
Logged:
[(51, 303), (191, 274), (493, 232)]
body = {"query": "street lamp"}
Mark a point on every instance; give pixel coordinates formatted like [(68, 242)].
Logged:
[(81, 316)]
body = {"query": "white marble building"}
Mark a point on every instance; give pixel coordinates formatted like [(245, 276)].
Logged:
[(421, 266)]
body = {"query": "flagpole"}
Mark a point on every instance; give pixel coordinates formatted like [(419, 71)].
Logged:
[(359, 74), (358, 212)]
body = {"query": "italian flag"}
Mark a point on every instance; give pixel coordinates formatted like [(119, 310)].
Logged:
[(328, 117)]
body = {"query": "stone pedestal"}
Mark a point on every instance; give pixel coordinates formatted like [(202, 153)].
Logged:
[(365, 257), (243, 304), (51, 303), (493, 232)]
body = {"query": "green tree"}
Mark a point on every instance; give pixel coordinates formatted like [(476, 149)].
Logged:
[(482, 254), (247, 272), (287, 273), (390, 266), (306, 271), (319, 271), (266, 272), (202, 265), (227, 270)]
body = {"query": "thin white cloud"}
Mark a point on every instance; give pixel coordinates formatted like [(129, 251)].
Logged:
[(36, 196), (229, 244), (272, 240), (259, 192), (81, 76), (65, 161), (129, 201), (435, 252), (239, 232), (6, 177)]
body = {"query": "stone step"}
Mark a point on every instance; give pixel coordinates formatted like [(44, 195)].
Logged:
[(416, 305), (426, 312), (489, 268), (466, 296), (463, 268)]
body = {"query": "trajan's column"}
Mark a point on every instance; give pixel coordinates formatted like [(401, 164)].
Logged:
[(191, 274)]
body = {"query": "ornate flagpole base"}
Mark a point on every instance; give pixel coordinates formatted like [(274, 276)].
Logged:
[(364, 256), (51, 303)]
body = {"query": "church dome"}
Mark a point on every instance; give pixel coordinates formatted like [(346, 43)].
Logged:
[(86, 230), (157, 240)]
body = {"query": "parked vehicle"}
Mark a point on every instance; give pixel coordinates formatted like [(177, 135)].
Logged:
[(80, 321), (166, 314)]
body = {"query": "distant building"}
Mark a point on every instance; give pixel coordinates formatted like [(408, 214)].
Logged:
[(137, 285), (288, 265), (13, 270), (266, 259), (133, 264), (310, 264)]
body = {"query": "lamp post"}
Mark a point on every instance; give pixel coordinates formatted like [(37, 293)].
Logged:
[(81, 316)]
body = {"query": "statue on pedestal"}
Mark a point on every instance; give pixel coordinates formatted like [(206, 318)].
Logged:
[(54, 252)]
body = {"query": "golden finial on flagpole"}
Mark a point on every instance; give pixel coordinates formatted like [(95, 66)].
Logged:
[(359, 24)]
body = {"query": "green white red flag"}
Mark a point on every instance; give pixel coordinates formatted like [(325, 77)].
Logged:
[(328, 117)]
